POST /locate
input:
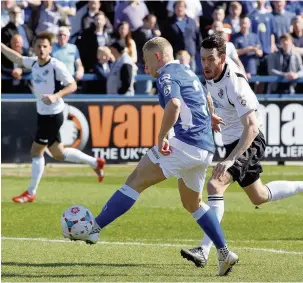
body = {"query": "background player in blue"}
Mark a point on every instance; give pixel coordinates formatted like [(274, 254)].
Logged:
[(186, 155)]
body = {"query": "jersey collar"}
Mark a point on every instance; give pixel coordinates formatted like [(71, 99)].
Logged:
[(168, 63)]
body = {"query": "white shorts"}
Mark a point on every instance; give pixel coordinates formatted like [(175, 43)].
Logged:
[(186, 162)]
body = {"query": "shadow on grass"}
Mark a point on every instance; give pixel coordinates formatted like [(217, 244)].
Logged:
[(69, 264)]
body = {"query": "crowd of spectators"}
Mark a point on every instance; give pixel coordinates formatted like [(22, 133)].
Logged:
[(264, 37)]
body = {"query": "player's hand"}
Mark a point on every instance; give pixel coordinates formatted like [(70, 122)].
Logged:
[(215, 123), (49, 98), (220, 169), (163, 145)]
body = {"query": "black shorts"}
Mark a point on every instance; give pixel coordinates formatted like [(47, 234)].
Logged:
[(247, 168), (48, 129)]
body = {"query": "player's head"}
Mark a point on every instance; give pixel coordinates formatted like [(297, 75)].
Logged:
[(213, 56), (43, 45), (157, 52)]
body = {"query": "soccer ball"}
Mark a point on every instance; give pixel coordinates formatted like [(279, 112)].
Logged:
[(77, 222)]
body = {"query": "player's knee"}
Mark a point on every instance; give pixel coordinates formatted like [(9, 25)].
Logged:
[(135, 181), (258, 200), (213, 187), (36, 152), (58, 156)]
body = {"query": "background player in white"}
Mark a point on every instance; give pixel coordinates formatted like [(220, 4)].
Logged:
[(186, 155), (237, 110), (51, 81)]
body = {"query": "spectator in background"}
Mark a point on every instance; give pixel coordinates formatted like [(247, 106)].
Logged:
[(26, 8), (182, 33), (92, 38), (68, 54), (93, 7), (295, 7), (46, 17), (141, 36), (132, 12), (193, 9), (248, 47), (235, 10), (17, 85), (15, 27), (262, 24), (286, 63), (6, 5), (297, 34), (282, 19), (121, 77), (67, 8), (217, 15), (102, 70), (249, 7), (123, 33), (184, 58)]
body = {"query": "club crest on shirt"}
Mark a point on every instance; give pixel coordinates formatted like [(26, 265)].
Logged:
[(241, 99), (163, 79), (45, 72), (220, 93), (167, 90)]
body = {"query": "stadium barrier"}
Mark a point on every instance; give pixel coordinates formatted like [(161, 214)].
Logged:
[(122, 129), (92, 77)]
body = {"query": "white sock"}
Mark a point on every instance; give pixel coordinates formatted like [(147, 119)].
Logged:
[(216, 203), (283, 189), (38, 164), (76, 156)]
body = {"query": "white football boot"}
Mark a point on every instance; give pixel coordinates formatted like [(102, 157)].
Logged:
[(226, 263)]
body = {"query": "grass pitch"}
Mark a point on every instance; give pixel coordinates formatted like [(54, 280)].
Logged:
[(144, 245)]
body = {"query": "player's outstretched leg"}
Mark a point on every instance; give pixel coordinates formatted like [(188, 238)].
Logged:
[(216, 188), (208, 221), (38, 164), (276, 190), (145, 175), (76, 156)]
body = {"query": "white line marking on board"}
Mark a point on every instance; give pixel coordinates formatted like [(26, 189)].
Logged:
[(147, 244)]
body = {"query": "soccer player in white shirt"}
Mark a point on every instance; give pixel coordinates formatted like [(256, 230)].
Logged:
[(48, 76), (236, 108)]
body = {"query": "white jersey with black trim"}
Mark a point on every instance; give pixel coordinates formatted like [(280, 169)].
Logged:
[(48, 79), (233, 98)]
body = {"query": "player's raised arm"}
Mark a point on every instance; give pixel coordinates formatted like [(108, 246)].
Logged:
[(12, 55)]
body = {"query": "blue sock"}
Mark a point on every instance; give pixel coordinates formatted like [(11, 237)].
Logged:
[(120, 202), (208, 221)]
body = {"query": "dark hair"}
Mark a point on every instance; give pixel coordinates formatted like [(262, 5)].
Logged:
[(148, 17), (286, 36), (127, 39), (46, 35), (119, 45), (215, 41), (244, 16)]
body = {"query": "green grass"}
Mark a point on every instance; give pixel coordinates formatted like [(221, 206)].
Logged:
[(156, 219)]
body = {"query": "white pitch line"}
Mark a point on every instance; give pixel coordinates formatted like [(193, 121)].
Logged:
[(146, 244)]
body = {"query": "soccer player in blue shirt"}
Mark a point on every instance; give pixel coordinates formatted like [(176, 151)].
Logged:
[(186, 155)]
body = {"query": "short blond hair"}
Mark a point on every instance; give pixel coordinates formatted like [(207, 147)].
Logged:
[(158, 43)]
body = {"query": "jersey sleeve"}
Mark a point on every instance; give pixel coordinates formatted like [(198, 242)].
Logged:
[(168, 89), (62, 74), (242, 96), (28, 61)]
